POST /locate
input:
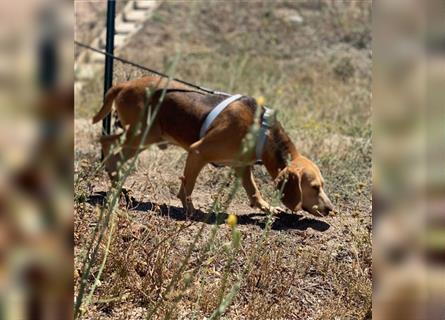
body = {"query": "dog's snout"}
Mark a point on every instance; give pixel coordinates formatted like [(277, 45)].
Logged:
[(328, 209), (329, 206), (326, 204)]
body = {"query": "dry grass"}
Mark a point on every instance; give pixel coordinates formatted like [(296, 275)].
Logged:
[(318, 76)]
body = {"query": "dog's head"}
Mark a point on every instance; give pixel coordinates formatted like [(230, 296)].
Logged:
[(302, 188)]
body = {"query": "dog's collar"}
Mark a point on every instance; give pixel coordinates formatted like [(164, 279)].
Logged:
[(215, 112), (266, 123)]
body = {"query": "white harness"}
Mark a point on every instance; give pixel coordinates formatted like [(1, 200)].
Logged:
[(262, 134)]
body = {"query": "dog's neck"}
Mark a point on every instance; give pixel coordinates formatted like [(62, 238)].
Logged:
[(279, 150)]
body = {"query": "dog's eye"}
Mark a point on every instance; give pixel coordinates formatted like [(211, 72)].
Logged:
[(316, 188)]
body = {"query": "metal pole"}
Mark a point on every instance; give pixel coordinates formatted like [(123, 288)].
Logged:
[(109, 48)]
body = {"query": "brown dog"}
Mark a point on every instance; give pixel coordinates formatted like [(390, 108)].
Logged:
[(179, 117)]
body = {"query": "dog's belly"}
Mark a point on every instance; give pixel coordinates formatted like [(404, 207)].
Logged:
[(171, 140), (223, 162), (232, 163)]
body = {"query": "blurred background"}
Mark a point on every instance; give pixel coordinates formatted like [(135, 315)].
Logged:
[(409, 153), (36, 158), (36, 147)]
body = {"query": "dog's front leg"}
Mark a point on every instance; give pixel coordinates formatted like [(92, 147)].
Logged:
[(256, 200), (193, 166)]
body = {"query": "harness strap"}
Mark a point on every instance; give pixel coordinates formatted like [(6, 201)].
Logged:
[(266, 123), (215, 112)]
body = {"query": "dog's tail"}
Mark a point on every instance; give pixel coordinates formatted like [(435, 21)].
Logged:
[(108, 103)]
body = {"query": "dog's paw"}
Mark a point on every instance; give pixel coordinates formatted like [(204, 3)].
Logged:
[(271, 209), (276, 210)]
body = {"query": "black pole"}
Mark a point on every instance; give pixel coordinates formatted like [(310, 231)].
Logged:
[(109, 48)]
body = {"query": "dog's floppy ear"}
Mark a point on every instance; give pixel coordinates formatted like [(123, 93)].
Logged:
[(288, 182)]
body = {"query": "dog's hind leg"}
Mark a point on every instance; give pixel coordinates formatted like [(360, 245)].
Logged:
[(125, 148), (110, 160), (120, 148), (193, 166)]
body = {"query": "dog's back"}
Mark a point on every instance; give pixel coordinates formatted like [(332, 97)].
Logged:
[(179, 116)]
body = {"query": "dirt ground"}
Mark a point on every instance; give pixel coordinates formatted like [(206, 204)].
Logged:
[(303, 254)]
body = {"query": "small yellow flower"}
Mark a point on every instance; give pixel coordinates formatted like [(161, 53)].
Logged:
[(232, 220), (260, 101)]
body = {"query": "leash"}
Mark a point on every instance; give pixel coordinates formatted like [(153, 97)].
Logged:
[(137, 65)]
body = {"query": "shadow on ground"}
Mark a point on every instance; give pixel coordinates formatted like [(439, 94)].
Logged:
[(283, 220)]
